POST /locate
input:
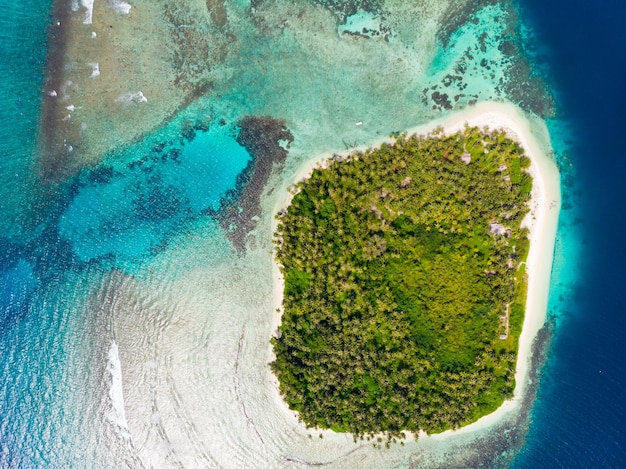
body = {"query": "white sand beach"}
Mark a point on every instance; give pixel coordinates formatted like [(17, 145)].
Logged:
[(541, 221)]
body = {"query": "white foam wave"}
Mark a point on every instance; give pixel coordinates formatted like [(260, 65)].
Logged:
[(95, 69), (130, 98), (117, 415), (120, 6), (88, 4)]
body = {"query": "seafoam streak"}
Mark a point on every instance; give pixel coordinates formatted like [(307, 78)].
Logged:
[(117, 415), (88, 4), (129, 98)]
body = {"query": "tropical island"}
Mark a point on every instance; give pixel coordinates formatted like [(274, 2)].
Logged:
[(404, 284)]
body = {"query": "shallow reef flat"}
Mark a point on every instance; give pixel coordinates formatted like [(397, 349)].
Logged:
[(119, 70)]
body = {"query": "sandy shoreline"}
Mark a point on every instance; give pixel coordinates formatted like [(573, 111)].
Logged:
[(542, 223)]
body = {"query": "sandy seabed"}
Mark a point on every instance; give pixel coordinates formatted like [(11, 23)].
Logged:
[(198, 391)]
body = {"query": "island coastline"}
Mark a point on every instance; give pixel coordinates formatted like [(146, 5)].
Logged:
[(541, 221)]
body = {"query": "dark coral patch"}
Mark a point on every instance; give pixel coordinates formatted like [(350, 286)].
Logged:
[(266, 140)]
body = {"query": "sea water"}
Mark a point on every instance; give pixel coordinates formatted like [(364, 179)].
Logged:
[(134, 333), (578, 418), (127, 210), (23, 35)]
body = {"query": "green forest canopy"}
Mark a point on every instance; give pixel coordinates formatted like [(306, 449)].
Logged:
[(404, 284)]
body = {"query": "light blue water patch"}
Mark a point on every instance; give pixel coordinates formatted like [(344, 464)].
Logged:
[(207, 169), (128, 210), (203, 243), (102, 220)]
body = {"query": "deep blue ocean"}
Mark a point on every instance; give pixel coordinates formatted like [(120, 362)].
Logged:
[(578, 418), (49, 244)]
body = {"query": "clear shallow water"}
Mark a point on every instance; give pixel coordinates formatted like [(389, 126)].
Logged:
[(127, 210), (126, 253)]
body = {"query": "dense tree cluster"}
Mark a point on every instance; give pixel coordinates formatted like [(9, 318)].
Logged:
[(404, 284)]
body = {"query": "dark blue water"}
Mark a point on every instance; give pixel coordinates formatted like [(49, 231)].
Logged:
[(579, 417)]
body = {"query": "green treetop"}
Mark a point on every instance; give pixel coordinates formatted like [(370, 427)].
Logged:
[(404, 299)]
